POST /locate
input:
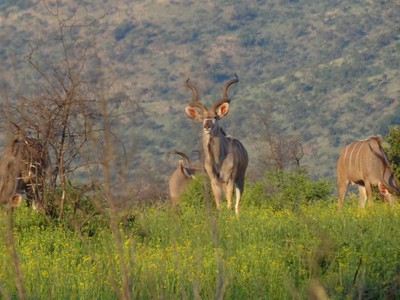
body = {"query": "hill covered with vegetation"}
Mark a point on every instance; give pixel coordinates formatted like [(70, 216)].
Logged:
[(323, 72)]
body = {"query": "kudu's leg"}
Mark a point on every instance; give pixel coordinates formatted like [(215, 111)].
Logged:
[(368, 188), (362, 193), (238, 191), (238, 195), (342, 186), (229, 193), (217, 191), (174, 200)]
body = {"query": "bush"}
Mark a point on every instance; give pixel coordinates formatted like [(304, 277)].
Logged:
[(194, 196), (393, 148), (287, 190), (123, 30)]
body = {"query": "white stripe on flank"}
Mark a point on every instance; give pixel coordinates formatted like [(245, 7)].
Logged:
[(351, 153), (345, 152), (358, 153)]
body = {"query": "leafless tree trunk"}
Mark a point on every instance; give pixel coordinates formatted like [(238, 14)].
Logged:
[(276, 151), (67, 110), (73, 116)]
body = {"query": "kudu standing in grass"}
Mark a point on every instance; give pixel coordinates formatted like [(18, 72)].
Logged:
[(183, 174), (23, 169), (225, 158), (365, 163)]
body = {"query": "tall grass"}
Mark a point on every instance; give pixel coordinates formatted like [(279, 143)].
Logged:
[(265, 253)]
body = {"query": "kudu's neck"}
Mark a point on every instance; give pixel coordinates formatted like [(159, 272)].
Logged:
[(389, 179), (391, 182), (215, 146)]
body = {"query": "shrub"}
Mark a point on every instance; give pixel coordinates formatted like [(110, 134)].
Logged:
[(123, 30), (194, 196), (393, 148), (287, 190)]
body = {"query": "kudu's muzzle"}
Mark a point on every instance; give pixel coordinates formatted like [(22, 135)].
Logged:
[(208, 124)]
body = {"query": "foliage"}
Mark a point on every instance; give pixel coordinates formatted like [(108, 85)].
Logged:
[(393, 150), (71, 115), (198, 193), (263, 253), (287, 190), (331, 71), (123, 30)]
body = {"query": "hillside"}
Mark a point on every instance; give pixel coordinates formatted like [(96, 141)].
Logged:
[(327, 71)]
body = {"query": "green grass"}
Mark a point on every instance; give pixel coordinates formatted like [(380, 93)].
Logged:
[(193, 251)]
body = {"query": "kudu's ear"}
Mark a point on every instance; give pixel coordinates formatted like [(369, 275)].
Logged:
[(187, 171), (222, 110), (192, 113), (16, 200)]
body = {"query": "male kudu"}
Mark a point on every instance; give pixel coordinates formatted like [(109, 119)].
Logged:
[(225, 158)]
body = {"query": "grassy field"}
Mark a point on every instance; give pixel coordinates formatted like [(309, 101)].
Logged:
[(195, 252)]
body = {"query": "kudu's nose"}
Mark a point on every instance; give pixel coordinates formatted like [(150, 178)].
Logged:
[(208, 124)]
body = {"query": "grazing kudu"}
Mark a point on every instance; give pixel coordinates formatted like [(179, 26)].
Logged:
[(365, 163), (23, 169), (225, 158), (183, 174)]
